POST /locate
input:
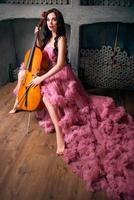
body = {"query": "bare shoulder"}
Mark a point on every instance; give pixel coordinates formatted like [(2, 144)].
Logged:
[(62, 40)]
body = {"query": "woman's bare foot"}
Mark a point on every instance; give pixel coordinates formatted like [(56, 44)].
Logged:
[(60, 148), (13, 111)]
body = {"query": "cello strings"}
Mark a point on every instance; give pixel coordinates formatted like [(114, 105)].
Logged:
[(23, 95)]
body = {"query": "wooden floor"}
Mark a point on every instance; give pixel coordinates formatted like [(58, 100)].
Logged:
[(29, 167)]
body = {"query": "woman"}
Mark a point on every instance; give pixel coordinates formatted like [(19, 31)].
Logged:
[(99, 136), (55, 39)]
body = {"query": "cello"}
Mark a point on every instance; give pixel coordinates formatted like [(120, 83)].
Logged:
[(28, 97)]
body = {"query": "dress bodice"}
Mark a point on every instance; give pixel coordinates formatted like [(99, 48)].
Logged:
[(49, 56)]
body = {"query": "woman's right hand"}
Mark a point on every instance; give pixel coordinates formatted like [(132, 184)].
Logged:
[(37, 30), (38, 39)]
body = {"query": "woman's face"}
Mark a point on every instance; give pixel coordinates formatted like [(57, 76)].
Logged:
[(52, 22)]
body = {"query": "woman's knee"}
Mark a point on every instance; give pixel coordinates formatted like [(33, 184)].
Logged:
[(21, 74)]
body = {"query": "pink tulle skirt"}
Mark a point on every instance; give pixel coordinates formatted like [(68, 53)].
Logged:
[(99, 136)]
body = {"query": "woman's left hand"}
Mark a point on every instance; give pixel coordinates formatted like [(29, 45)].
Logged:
[(36, 81)]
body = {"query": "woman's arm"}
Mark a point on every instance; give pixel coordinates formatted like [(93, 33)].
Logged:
[(60, 63), (60, 60)]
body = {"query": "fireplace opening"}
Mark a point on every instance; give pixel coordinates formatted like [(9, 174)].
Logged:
[(107, 55)]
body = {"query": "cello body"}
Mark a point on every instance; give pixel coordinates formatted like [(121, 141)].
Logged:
[(29, 98)]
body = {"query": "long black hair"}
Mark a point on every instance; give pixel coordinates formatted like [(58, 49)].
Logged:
[(61, 31)]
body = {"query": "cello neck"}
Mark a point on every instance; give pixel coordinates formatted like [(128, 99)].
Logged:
[(31, 53), (34, 42)]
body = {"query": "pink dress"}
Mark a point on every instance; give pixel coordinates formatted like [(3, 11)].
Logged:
[(99, 136)]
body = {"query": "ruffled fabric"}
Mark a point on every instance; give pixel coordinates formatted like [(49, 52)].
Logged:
[(99, 136)]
